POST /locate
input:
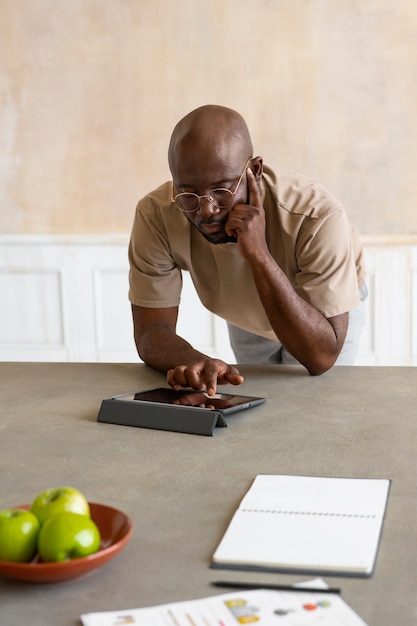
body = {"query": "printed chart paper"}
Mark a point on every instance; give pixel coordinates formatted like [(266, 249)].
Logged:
[(263, 607)]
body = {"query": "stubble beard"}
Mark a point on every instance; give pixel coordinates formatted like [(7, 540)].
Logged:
[(219, 238)]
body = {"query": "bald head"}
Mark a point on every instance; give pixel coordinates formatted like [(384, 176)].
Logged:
[(208, 133)]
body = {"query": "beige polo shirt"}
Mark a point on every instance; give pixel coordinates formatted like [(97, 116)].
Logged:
[(308, 235)]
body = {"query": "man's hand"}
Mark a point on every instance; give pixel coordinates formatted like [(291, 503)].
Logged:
[(161, 348), (204, 374), (247, 223)]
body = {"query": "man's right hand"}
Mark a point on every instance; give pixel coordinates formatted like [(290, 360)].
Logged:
[(204, 374), (161, 348)]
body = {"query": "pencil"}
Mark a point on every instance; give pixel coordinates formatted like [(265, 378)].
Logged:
[(241, 585)]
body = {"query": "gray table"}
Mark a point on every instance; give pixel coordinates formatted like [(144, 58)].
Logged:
[(181, 490)]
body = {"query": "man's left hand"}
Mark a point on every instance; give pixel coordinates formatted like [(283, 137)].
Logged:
[(247, 222)]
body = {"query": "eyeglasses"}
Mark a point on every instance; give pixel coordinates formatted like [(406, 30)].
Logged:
[(220, 198)]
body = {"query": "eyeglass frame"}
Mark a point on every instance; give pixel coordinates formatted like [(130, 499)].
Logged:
[(207, 195)]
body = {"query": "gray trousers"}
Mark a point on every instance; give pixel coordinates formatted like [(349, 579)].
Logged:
[(253, 349)]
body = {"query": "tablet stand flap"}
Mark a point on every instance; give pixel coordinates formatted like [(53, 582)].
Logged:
[(182, 419)]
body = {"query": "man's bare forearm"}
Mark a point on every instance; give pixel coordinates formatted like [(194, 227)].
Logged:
[(163, 350), (300, 327)]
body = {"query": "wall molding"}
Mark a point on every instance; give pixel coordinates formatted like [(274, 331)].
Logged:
[(379, 240), (64, 298)]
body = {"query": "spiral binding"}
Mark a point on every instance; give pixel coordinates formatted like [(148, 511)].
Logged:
[(314, 513)]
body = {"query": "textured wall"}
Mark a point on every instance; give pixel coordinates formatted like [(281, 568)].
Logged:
[(90, 91)]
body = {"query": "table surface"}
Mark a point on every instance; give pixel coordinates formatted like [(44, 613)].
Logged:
[(181, 490)]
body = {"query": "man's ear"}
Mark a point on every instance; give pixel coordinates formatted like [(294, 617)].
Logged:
[(257, 167)]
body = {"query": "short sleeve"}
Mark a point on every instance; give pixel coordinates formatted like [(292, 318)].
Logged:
[(327, 274), (155, 280)]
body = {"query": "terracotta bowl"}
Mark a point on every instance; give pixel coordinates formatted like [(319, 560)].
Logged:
[(115, 529)]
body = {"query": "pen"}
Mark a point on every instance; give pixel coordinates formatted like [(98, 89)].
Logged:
[(240, 585)]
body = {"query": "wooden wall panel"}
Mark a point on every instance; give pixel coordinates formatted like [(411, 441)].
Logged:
[(66, 300)]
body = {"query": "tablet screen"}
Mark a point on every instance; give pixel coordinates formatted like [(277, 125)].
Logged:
[(189, 397)]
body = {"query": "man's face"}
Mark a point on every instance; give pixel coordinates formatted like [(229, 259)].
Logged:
[(209, 178)]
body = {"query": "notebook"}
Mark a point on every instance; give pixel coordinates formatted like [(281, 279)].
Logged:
[(306, 524)]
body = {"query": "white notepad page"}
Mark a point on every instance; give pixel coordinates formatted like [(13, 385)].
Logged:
[(306, 524)]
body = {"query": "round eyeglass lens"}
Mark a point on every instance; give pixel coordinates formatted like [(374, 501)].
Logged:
[(189, 202)]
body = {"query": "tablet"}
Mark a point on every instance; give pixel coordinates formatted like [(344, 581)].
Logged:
[(184, 411), (224, 403)]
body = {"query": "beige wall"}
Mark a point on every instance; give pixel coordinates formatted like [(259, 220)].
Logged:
[(90, 91)]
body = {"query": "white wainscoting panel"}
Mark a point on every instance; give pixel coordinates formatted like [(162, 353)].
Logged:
[(413, 306), (391, 328), (33, 303), (66, 299), (41, 321)]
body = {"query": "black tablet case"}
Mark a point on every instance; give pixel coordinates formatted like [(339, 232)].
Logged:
[(194, 420)]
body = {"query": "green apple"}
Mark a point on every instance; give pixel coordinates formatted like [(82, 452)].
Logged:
[(19, 531), (57, 500), (67, 536)]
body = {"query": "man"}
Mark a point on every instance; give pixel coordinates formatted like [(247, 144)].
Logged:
[(273, 254)]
